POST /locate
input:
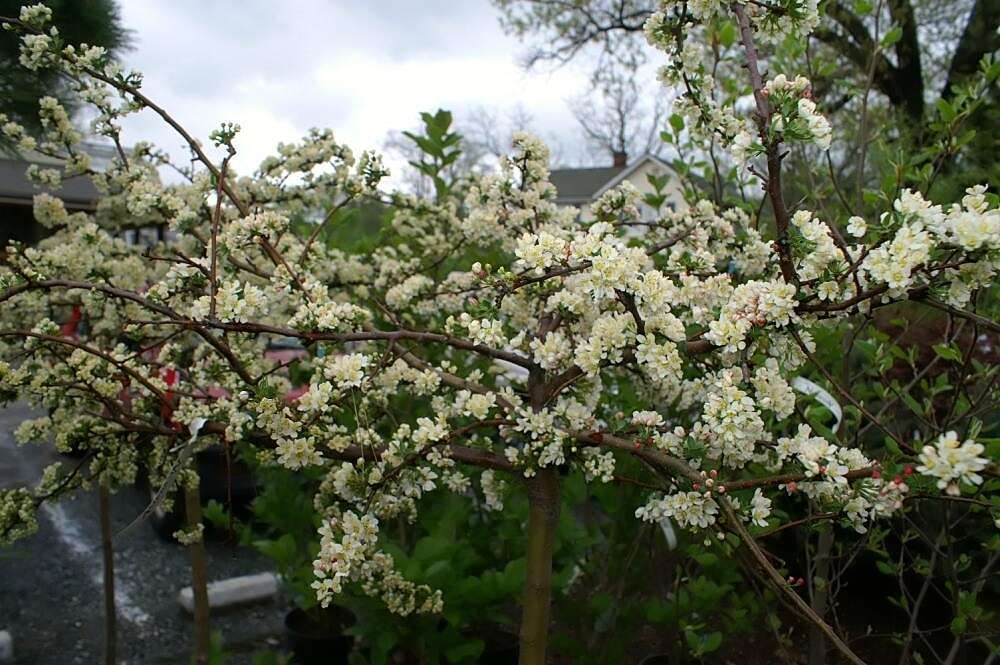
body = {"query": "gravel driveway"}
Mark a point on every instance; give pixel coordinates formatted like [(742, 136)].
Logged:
[(50, 584)]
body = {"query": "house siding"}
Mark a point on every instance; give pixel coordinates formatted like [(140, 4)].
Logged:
[(638, 178)]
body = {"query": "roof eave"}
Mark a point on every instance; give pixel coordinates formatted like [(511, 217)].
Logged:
[(68, 203)]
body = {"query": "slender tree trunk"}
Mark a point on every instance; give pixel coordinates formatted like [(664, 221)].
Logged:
[(110, 614), (820, 597), (543, 494), (199, 578)]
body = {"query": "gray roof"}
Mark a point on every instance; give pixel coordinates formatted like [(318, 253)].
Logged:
[(77, 192), (575, 186), (580, 185)]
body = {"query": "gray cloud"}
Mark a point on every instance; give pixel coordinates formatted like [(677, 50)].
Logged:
[(361, 68)]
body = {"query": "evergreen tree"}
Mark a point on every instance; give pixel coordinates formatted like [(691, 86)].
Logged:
[(96, 22)]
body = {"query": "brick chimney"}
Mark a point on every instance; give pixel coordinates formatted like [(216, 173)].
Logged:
[(620, 158)]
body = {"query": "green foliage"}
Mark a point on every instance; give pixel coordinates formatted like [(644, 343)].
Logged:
[(216, 651), (270, 658), (95, 22), (452, 547), (440, 148), (475, 558)]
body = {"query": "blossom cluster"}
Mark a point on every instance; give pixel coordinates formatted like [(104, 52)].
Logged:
[(490, 328), (953, 463)]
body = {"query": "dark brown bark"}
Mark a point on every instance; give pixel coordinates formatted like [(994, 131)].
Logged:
[(852, 40), (909, 73), (772, 147), (845, 32), (979, 38)]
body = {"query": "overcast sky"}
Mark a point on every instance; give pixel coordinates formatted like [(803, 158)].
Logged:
[(361, 68)]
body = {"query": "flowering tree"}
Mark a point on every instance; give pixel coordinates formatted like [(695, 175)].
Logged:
[(512, 334)]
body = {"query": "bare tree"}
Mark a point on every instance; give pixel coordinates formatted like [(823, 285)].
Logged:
[(620, 117), (489, 132), (400, 147), (939, 43), (564, 29)]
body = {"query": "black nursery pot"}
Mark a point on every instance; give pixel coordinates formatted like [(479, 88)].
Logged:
[(500, 654), (656, 659), (500, 645), (220, 481), (317, 637)]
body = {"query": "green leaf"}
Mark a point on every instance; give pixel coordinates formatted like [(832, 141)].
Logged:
[(885, 568), (913, 405), (282, 551), (711, 642), (946, 110), (701, 643), (948, 352), (677, 122), (727, 34), (966, 137), (892, 36), (657, 611), (470, 651), (216, 513), (706, 559), (382, 647), (513, 575)]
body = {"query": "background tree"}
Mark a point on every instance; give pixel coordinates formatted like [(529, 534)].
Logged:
[(95, 22), (914, 54), (928, 54), (620, 120), (490, 131)]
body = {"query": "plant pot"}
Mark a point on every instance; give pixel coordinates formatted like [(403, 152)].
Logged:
[(218, 482), (656, 659), (500, 644), (317, 637), (500, 654)]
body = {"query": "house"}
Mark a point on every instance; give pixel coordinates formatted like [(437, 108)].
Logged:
[(17, 218), (581, 187)]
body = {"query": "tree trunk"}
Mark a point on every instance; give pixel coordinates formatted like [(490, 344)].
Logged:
[(543, 495), (199, 578), (820, 597), (979, 38), (110, 614)]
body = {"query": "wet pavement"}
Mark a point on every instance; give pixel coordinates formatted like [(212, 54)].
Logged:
[(50, 583)]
